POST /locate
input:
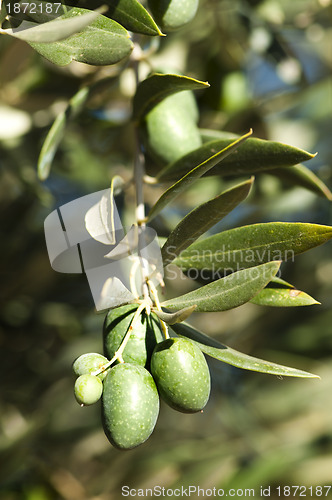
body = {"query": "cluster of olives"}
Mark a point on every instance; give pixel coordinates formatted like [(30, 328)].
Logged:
[(150, 365)]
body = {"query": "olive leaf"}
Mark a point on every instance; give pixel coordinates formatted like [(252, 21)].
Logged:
[(176, 317), (55, 135), (222, 352), (158, 86), (102, 42), (172, 192), (280, 293), (228, 292), (283, 297), (130, 13), (254, 244), (202, 218), (54, 30), (256, 155), (56, 132), (300, 175), (133, 16), (277, 282)]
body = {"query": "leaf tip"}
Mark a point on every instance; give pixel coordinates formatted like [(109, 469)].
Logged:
[(102, 9)]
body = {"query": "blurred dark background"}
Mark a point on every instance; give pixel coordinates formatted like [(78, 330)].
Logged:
[(269, 66)]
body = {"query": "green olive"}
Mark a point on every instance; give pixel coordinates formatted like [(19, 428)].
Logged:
[(170, 129), (88, 363), (171, 15), (130, 405), (88, 389), (181, 374), (145, 334)]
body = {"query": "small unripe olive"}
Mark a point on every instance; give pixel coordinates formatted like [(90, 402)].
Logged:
[(181, 374), (171, 15), (88, 389), (88, 363)]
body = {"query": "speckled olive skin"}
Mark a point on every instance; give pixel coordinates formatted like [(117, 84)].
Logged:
[(144, 337), (130, 405), (88, 363), (181, 374), (171, 15)]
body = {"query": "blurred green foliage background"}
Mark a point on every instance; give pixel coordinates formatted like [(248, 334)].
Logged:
[(269, 65)]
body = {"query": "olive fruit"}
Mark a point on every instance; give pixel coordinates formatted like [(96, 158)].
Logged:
[(173, 14), (170, 130), (88, 363), (88, 389), (145, 334), (181, 374), (130, 405)]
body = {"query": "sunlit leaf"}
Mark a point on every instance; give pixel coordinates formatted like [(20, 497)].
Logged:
[(101, 43), (133, 16), (176, 317), (54, 30), (57, 130), (228, 292), (130, 13), (256, 155), (280, 283), (158, 86), (171, 193), (202, 218), (228, 355), (251, 245), (283, 297)]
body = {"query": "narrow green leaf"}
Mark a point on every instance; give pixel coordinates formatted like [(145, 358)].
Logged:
[(256, 155), (229, 292), (101, 43), (54, 30), (57, 130), (176, 317), (226, 354), (171, 193), (133, 16), (251, 245), (158, 86), (283, 297), (280, 283), (130, 13), (304, 177), (202, 218)]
